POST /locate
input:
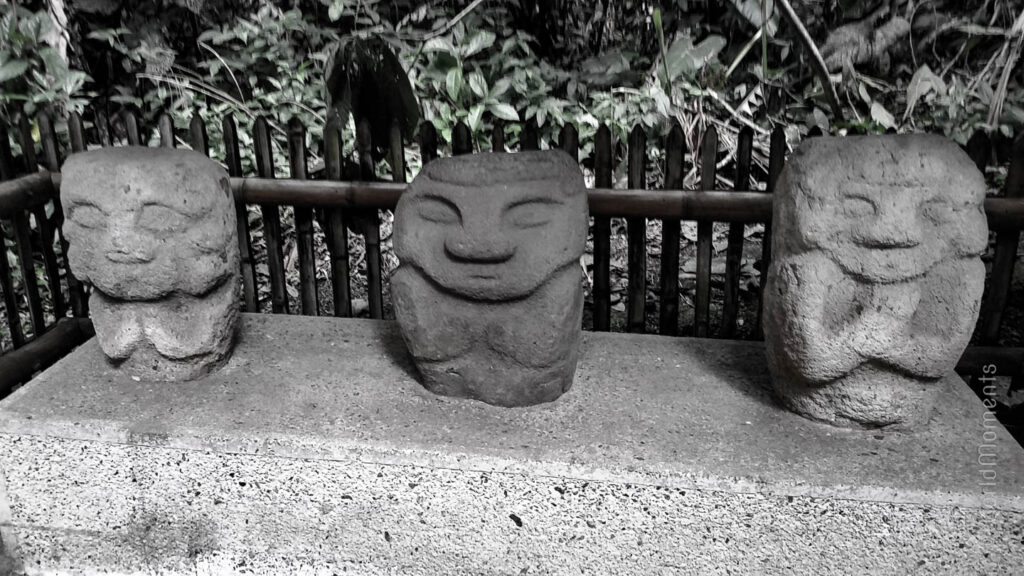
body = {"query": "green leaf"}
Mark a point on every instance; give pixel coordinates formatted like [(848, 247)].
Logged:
[(751, 10), (482, 40), (475, 114), (882, 116), (684, 59), (500, 87), (453, 83), (335, 10), (477, 84), (504, 111), (12, 69), (923, 82)]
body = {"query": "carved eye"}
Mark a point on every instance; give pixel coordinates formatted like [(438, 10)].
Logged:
[(937, 210), (439, 211), (858, 206), (530, 214), (157, 218), (88, 216)]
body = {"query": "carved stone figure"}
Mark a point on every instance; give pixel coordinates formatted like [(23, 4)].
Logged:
[(876, 280), (153, 231), (488, 293)]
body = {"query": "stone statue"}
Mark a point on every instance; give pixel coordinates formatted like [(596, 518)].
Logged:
[(488, 294), (153, 231), (875, 283)]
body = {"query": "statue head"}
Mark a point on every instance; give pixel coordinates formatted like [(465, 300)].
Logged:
[(493, 227), (885, 210), (143, 223)]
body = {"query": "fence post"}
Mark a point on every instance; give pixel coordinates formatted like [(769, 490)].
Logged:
[(602, 232), (675, 172), (303, 221), (271, 219), (734, 251), (498, 136), (705, 229), (528, 138), (776, 161), (234, 166), (462, 140), (371, 224), (166, 126), (6, 278), (336, 229), (131, 128), (636, 232), (428, 142), (46, 232), (1006, 253)]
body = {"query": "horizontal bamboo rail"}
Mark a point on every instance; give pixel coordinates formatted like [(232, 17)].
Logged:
[(713, 205), (19, 365)]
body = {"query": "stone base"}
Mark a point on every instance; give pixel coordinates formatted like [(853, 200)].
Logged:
[(315, 451)]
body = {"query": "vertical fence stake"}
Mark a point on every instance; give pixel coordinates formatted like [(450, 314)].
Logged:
[(428, 142), (23, 242), (131, 128), (1006, 253), (197, 134), (498, 136), (636, 231), (569, 141), (734, 251), (776, 161), (271, 220), (462, 140), (705, 229), (675, 172), (79, 300), (303, 222), (528, 138), (45, 226), (166, 126), (337, 231), (602, 232), (371, 224), (6, 279), (234, 166), (76, 134)]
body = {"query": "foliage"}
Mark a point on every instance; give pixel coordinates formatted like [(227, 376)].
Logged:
[(33, 74)]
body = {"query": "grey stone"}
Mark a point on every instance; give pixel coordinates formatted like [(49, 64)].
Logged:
[(876, 280), (488, 291), (152, 230), (314, 450)]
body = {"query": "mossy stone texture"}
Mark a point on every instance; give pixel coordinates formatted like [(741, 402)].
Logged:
[(488, 293), (876, 278), (152, 230)]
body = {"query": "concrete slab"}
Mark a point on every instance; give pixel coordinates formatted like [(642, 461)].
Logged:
[(314, 451)]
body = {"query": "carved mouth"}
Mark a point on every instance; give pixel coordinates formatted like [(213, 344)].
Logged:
[(128, 257)]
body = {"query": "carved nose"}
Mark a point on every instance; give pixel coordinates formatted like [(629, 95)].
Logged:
[(479, 251), (127, 246)]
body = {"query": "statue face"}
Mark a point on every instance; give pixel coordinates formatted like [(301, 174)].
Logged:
[(143, 223), (890, 217), (493, 226)]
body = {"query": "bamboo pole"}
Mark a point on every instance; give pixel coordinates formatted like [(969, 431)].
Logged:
[(18, 366), (716, 205)]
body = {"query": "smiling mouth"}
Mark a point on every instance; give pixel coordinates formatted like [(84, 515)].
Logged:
[(128, 257)]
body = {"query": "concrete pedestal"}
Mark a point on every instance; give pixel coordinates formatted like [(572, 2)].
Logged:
[(314, 451)]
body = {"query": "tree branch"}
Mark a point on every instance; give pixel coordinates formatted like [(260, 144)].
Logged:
[(816, 60)]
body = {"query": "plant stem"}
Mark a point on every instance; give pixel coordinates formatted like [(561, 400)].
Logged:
[(816, 59)]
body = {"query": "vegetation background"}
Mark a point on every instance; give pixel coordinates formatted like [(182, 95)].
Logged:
[(946, 66)]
